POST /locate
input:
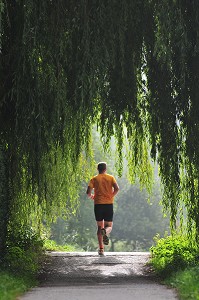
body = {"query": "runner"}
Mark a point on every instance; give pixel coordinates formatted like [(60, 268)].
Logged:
[(105, 188)]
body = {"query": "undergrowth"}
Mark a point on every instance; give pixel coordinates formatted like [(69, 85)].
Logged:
[(173, 253), (187, 283), (175, 259), (50, 245), (21, 264), (13, 285)]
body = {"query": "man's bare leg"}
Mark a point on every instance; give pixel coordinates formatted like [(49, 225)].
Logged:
[(100, 225), (108, 225), (106, 231)]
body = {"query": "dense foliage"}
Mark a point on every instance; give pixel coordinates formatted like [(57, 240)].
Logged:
[(131, 67), (173, 253), (175, 259)]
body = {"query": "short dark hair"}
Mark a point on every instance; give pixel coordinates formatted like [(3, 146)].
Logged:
[(101, 166)]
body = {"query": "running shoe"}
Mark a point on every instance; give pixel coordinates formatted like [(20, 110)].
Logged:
[(105, 237), (101, 252)]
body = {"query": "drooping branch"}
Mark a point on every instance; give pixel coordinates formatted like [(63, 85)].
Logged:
[(132, 67)]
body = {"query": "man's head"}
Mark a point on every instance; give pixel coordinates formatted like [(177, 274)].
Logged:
[(101, 167)]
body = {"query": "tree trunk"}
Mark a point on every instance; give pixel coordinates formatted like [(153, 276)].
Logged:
[(5, 198)]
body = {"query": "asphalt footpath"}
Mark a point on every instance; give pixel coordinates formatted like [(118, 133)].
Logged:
[(87, 276)]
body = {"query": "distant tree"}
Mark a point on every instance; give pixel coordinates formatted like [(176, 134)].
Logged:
[(80, 228), (136, 219)]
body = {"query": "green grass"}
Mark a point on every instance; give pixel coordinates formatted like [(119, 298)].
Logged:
[(187, 283), (12, 285), (23, 268), (175, 260), (50, 245)]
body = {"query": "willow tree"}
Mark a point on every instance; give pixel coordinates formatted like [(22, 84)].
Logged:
[(131, 67)]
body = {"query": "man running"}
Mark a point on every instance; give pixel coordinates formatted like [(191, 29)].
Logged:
[(105, 188)]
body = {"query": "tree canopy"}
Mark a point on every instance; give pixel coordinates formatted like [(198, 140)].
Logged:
[(131, 67)]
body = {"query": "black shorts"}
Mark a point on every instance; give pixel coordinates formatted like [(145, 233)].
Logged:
[(103, 212)]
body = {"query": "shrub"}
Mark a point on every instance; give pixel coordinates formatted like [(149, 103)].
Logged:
[(20, 261), (25, 238), (173, 253), (24, 252)]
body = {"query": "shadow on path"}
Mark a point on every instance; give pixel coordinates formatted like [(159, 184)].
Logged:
[(62, 269), (86, 276)]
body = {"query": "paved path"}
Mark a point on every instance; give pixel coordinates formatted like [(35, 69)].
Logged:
[(86, 276)]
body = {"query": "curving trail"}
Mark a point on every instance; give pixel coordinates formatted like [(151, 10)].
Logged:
[(86, 276)]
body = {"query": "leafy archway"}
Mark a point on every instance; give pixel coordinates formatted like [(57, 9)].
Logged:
[(131, 67)]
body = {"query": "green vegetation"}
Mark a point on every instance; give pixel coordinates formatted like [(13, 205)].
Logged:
[(128, 68), (21, 264), (12, 285), (172, 253), (50, 245), (136, 221), (131, 67), (186, 282), (175, 260)]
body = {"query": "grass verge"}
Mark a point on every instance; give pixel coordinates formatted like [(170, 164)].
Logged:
[(186, 282), (50, 245), (20, 268), (12, 285), (175, 261)]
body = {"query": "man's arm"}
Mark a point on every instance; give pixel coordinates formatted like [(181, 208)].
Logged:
[(115, 188), (89, 193)]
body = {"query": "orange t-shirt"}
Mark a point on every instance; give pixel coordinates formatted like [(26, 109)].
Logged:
[(103, 188)]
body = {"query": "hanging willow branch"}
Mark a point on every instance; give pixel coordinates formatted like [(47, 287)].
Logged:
[(132, 67)]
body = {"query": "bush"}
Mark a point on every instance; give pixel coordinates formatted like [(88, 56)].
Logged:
[(25, 238), (173, 253), (21, 261), (24, 252)]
